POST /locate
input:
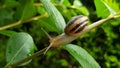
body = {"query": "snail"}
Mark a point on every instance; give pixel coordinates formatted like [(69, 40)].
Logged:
[(71, 32), (76, 25)]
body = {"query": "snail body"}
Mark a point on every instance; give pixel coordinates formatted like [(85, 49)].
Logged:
[(71, 32)]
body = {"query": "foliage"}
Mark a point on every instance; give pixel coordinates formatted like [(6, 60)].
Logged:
[(20, 46), (18, 17)]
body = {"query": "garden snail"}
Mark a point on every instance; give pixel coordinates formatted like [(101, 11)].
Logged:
[(71, 32), (76, 25)]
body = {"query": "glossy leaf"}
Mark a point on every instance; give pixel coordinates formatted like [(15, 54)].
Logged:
[(26, 10), (103, 9), (82, 56), (55, 15), (7, 33), (19, 46), (6, 17), (44, 22), (10, 3), (77, 3), (65, 3), (83, 10), (114, 4)]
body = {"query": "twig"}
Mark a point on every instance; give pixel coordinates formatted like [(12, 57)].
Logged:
[(21, 22), (10, 25), (100, 22), (36, 18), (27, 59)]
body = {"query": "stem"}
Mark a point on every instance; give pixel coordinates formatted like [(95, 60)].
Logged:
[(28, 58), (21, 22), (11, 25), (36, 18), (100, 22)]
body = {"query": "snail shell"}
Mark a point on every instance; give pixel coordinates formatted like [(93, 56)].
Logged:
[(76, 25)]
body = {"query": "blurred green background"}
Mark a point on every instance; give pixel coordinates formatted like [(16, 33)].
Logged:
[(103, 43)]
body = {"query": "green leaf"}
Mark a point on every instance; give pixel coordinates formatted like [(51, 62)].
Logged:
[(10, 3), (116, 22), (8, 33), (19, 46), (55, 15), (109, 8), (83, 10), (77, 3), (26, 10), (41, 10), (81, 56), (114, 4), (47, 26), (65, 3), (103, 9), (6, 17)]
